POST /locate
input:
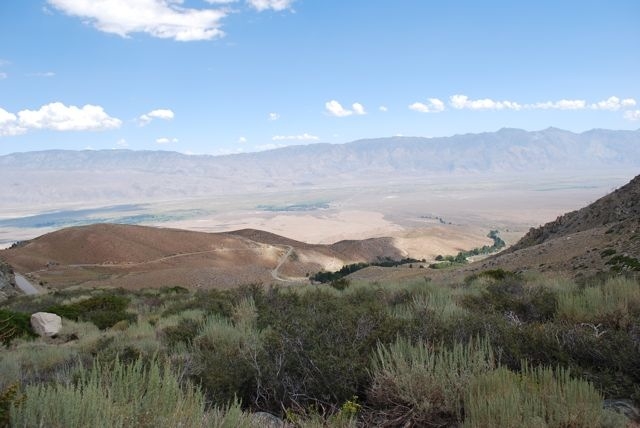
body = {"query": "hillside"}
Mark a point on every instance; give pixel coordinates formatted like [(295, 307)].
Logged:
[(601, 237), (121, 176), (138, 256)]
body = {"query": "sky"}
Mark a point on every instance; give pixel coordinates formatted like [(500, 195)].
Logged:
[(231, 76)]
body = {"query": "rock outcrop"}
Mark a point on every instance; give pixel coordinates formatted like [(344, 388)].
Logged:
[(46, 324), (7, 281)]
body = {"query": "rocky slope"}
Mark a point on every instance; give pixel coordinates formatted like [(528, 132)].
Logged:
[(601, 237), (7, 281)]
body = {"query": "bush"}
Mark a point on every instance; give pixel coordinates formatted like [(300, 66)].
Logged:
[(226, 356), (104, 311), (417, 385), (535, 397), (511, 295), (120, 395), (14, 325), (612, 303)]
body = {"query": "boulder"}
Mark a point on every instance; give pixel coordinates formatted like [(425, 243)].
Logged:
[(46, 324), (624, 407), (267, 420)]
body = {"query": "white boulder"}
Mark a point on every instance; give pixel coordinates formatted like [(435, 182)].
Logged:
[(46, 324)]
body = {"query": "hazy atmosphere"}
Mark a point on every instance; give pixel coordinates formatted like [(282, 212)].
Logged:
[(319, 213)]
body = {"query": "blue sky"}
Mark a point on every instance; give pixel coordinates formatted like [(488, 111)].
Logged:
[(225, 76)]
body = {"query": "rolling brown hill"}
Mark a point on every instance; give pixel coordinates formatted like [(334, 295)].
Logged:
[(139, 256)]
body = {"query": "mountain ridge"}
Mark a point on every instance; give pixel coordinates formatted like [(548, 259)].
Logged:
[(112, 176)]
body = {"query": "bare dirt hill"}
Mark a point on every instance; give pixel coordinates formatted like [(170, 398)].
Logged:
[(139, 256)]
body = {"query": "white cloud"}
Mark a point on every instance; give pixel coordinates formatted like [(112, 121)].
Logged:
[(613, 104), (303, 137), (383, 109), (3, 75), (42, 74), (274, 116), (9, 124), (358, 109), (242, 140), (59, 117), (166, 19), (463, 102), (277, 5), (334, 108), (122, 143), (632, 115), (434, 105), (269, 146), (164, 114), (559, 105), (165, 140)]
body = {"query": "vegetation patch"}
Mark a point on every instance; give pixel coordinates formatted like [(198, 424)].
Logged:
[(14, 325), (104, 311)]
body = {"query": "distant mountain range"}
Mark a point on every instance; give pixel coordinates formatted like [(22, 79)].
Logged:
[(125, 175)]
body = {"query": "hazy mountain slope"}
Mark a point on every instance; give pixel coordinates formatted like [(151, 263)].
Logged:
[(123, 175)]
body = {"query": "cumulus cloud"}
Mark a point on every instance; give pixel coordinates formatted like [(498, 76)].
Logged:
[(358, 109), (434, 105), (559, 105), (164, 114), (277, 5), (166, 19), (274, 116), (302, 137), (9, 124), (334, 108), (613, 104), (459, 102), (383, 109), (464, 102), (165, 140), (242, 140), (59, 117), (122, 143), (632, 115)]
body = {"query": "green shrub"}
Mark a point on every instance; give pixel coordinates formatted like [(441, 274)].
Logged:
[(226, 357), (417, 385), (14, 325), (119, 395), (104, 311), (317, 344), (536, 397), (511, 295), (611, 303)]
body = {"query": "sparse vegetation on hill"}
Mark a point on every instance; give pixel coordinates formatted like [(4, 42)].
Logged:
[(372, 354)]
